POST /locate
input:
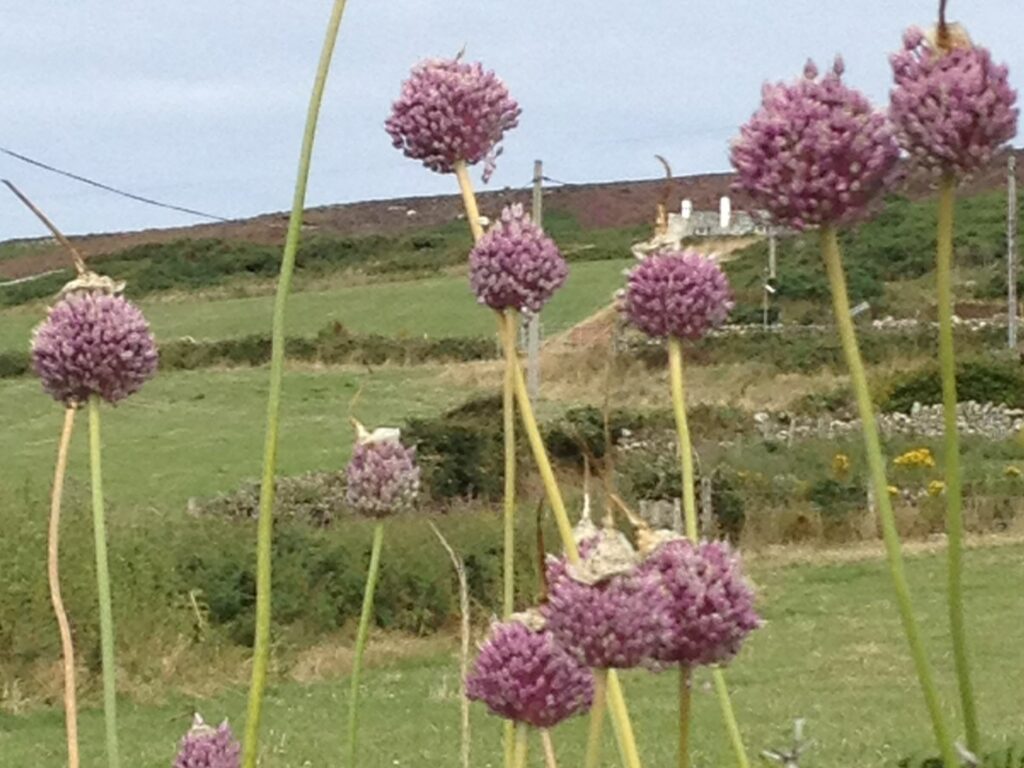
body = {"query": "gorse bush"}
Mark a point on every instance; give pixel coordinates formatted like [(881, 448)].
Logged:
[(983, 381)]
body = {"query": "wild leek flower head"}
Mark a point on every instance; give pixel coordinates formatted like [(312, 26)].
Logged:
[(707, 604), (523, 674), (676, 293), (952, 107), (816, 152), (383, 477), (206, 747), (606, 622), (515, 265), (93, 343), (450, 110)]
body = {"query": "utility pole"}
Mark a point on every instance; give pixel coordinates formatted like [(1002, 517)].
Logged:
[(533, 324), (1011, 251), (772, 265)]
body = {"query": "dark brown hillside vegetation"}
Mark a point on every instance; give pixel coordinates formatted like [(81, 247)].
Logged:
[(597, 205)]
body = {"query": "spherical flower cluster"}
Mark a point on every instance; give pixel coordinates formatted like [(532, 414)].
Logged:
[(515, 265), (816, 152), (523, 674), (382, 478), (93, 344), (707, 604), (206, 747), (608, 624), (677, 293), (952, 108), (450, 110)]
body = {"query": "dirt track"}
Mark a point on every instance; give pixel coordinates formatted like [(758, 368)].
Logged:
[(611, 204)]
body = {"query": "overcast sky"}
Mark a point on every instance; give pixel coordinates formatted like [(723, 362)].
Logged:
[(201, 102)]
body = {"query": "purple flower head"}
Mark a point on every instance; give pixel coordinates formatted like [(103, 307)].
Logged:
[(607, 623), (677, 293), (952, 109), (93, 344), (206, 747), (816, 152), (515, 265), (382, 475), (451, 110), (706, 602), (523, 674)]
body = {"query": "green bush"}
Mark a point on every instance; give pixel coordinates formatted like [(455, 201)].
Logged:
[(14, 364), (984, 381)]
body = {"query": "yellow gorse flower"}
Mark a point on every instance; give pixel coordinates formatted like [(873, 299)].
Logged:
[(936, 487), (919, 457)]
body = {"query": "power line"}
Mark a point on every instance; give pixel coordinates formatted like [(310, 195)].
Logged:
[(108, 188)]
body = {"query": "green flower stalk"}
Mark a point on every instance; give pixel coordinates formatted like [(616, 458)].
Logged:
[(816, 154), (683, 295), (265, 532), (381, 479), (953, 108)]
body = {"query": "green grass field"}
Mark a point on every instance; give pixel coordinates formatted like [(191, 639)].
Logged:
[(196, 433), (441, 306), (832, 652)]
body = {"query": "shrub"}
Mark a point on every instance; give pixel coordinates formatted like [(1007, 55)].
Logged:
[(984, 381)]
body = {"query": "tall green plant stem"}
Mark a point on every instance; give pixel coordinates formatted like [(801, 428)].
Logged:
[(507, 330), (592, 757), (261, 645), (880, 486), (954, 490), (53, 572), (678, 388), (99, 527), (685, 701), (616, 700), (521, 745), (365, 618)]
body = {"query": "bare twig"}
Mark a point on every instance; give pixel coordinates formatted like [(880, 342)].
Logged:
[(53, 570), (542, 573), (76, 257), (460, 570)]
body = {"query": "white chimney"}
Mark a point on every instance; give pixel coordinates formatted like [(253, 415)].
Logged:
[(687, 208), (724, 212)]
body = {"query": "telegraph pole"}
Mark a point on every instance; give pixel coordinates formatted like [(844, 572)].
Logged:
[(1011, 251), (533, 324)]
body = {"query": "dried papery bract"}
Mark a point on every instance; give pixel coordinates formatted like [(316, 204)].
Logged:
[(207, 747), (816, 154), (953, 108), (451, 111), (383, 479)]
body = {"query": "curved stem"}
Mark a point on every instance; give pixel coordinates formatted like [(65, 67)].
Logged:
[(876, 463), (365, 618), (675, 368), (685, 696), (954, 492), (53, 572), (506, 327), (99, 527), (596, 729), (616, 701), (261, 645), (729, 716)]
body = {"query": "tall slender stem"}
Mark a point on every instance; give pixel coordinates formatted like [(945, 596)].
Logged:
[(261, 645), (729, 716), (53, 572), (616, 700), (365, 619), (596, 730), (876, 464), (521, 746), (99, 526), (550, 761), (675, 368), (677, 385), (954, 491), (507, 331), (685, 700)]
